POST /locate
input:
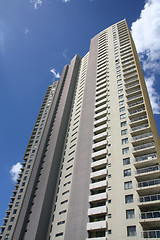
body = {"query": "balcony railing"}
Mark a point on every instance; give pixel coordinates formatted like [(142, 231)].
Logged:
[(149, 183), (130, 75), (130, 65), (132, 85), (145, 135), (146, 157), (140, 127), (149, 198), (147, 169), (149, 215), (136, 96), (136, 103), (147, 145), (137, 111), (151, 234), (134, 90), (131, 80), (138, 118)]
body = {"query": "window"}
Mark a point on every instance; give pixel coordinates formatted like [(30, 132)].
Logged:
[(17, 203), (109, 215), (122, 116), (65, 201), (6, 237), (124, 132), (124, 141), (23, 183), (125, 150), (120, 91), (68, 175), (19, 197), (128, 185), (129, 198), (130, 214), (14, 211), (109, 231), (120, 85), (59, 234), (131, 231), (121, 96), (119, 81), (126, 161), (12, 219), (127, 172), (21, 190), (121, 102), (65, 192), (122, 109), (60, 223), (67, 183), (9, 227), (123, 124), (25, 178), (64, 211)]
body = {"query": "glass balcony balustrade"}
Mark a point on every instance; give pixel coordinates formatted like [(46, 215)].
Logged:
[(147, 169), (149, 183), (134, 97), (150, 215), (137, 111), (145, 135), (146, 157), (149, 198), (140, 127), (147, 145), (151, 234)]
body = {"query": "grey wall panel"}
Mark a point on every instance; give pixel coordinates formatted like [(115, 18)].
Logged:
[(77, 217)]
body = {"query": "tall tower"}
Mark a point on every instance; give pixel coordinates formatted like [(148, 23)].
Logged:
[(91, 169)]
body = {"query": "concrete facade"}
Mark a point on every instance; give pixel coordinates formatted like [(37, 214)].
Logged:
[(96, 171)]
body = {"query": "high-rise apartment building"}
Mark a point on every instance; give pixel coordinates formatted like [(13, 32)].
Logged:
[(90, 169)]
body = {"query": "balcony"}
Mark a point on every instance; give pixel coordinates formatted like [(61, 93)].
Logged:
[(137, 111), (97, 210), (104, 85), (130, 75), (149, 183), (140, 129), (96, 225), (132, 85), (101, 102), (100, 129), (153, 216), (128, 72), (98, 197), (101, 121), (100, 108), (146, 160), (97, 174), (100, 145), (99, 163), (100, 137), (146, 148), (154, 234), (135, 98), (98, 185), (152, 200), (131, 80), (128, 65), (137, 119), (142, 137), (100, 115), (147, 169)]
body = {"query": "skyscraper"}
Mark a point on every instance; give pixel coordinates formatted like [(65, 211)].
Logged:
[(90, 169)]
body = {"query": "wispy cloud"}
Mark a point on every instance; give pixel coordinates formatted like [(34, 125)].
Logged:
[(36, 3), (65, 1), (55, 74), (146, 34), (26, 31), (15, 170), (64, 54)]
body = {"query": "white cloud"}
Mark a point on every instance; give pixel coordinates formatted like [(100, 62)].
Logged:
[(65, 1), (15, 170), (56, 75), (154, 97), (146, 35), (26, 31), (64, 54), (36, 3)]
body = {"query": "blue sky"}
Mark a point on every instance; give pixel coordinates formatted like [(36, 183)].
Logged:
[(38, 36)]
